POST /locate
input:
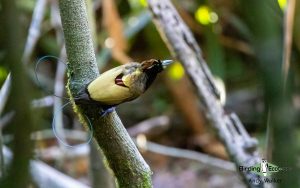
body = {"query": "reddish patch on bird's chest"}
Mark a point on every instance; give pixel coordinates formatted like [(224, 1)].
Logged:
[(119, 80)]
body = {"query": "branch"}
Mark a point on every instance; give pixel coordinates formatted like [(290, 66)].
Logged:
[(34, 29), (187, 154), (183, 46), (122, 155), (55, 153), (43, 102), (150, 126)]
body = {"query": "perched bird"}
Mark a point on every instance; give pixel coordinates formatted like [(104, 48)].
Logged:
[(121, 84)]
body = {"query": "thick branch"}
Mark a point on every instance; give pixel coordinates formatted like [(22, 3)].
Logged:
[(182, 44), (122, 155)]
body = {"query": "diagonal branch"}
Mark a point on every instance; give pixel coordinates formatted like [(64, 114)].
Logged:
[(4, 93), (34, 29), (240, 146)]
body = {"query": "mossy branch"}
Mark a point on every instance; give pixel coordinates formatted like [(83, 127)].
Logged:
[(122, 156)]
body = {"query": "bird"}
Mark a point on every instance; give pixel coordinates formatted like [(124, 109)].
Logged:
[(121, 84)]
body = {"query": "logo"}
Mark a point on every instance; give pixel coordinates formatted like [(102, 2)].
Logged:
[(264, 169)]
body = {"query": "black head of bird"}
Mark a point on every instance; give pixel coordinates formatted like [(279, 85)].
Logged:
[(121, 84)]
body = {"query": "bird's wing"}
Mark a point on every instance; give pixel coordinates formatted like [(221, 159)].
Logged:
[(105, 91)]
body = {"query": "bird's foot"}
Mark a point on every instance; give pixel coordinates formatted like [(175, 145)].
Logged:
[(107, 111)]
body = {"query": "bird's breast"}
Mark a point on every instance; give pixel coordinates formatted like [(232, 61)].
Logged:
[(136, 82)]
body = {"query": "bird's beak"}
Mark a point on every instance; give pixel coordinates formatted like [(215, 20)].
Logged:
[(165, 63)]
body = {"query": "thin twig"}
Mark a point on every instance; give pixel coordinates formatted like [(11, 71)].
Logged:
[(150, 126), (237, 45), (43, 102), (59, 84), (188, 154), (56, 23), (34, 29), (56, 153), (4, 93), (183, 46), (70, 134), (83, 150)]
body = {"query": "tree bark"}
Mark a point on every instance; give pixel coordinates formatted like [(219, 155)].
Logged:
[(121, 154)]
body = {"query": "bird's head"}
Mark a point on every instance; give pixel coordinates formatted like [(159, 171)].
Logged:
[(151, 68), (154, 66)]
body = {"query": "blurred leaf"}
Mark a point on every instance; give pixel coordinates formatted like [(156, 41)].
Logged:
[(282, 4), (215, 54), (48, 44), (138, 4), (240, 25), (27, 5), (143, 3), (205, 15), (159, 105), (176, 71)]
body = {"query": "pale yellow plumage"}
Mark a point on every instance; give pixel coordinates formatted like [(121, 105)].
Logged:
[(121, 84), (106, 92)]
